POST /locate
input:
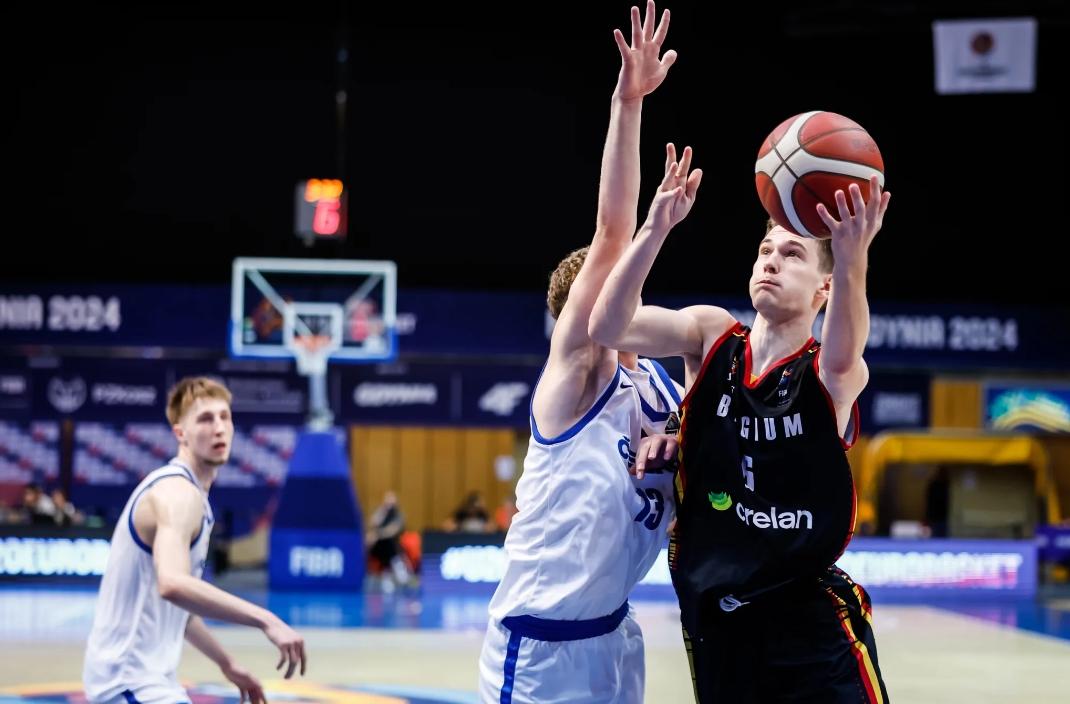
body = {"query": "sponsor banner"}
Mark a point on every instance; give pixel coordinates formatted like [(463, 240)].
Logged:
[(457, 394), (887, 568), (263, 390), (498, 395), (30, 553), (1028, 408), (1053, 543), (271, 392), (463, 563), (316, 559), (15, 392), (892, 401), (400, 393), (101, 389), (943, 568)]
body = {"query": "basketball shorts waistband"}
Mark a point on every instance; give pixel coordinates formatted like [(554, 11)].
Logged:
[(545, 629)]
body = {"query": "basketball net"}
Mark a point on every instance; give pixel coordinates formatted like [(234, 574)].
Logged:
[(312, 352)]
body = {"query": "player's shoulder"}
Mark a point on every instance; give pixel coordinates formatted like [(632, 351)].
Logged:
[(568, 392), (711, 320), (713, 323), (173, 487)]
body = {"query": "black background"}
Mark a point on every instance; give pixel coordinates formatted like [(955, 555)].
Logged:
[(156, 142)]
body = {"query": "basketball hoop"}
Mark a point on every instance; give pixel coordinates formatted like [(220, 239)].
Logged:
[(312, 332), (312, 352), (329, 310)]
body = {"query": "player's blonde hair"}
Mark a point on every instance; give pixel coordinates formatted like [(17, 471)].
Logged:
[(824, 249), (562, 278), (183, 394)]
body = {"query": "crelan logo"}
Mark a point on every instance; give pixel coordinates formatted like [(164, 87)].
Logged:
[(721, 502)]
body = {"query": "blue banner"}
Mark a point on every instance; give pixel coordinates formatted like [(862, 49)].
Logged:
[(970, 336), (494, 324), (100, 389), (270, 392), (316, 559), (400, 393), (892, 401), (1053, 543), (15, 395), (467, 323), (939, 568), (498, 395), (473, 564), (262, 390), (159, 315), (428, 394), (1028, 408), (34, 553), (317, 534), (887, 568)]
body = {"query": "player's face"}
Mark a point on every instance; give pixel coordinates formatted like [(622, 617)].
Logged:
[(786, 279), (206, 431)]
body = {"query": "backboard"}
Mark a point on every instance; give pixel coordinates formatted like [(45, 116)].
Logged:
[(277, 305)]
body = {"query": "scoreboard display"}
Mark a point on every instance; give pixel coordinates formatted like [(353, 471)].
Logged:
[(320, 210)]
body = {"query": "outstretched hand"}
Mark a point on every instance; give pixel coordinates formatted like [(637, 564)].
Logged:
[(852, 234), (677, 191), (642, 69)]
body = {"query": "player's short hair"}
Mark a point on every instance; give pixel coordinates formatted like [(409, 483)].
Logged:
[(562, 278), (183, 394)]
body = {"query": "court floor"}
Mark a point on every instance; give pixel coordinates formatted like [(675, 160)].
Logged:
[(395, 648)]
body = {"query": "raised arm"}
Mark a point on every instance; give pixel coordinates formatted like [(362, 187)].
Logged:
[(846, 326), (642, 70), (619, 320), (177, 512)]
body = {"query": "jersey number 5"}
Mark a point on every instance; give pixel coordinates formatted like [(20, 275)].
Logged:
[(748, 473)]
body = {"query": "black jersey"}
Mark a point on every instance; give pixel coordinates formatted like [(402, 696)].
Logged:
[(764, 489)]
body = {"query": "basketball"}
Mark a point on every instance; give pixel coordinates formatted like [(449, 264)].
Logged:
[(805, 160)]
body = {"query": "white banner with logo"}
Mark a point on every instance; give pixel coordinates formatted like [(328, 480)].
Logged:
[(985, 55)]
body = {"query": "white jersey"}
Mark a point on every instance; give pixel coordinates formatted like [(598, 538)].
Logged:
[(136, 641), (587, 531)]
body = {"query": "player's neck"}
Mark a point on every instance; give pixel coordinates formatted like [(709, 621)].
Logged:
[(204, 474), (628, 360), (772, 341)]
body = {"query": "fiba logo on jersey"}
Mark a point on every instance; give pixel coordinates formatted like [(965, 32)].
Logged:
[(672, 425)]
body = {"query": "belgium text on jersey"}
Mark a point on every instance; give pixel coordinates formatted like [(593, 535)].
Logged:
[(762, 428)]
